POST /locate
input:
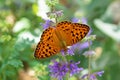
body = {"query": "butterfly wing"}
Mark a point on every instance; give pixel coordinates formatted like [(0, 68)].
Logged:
[(45, 49), (72, 32), (64, 29), (78, 32), (47, 34), (48, 44)]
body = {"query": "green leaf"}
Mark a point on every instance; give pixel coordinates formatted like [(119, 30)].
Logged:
[(15, 63), (108, 29)]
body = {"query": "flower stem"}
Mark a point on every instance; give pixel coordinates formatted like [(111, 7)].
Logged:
[(56, 19), (53, 10), (65, 60), (89, 62)]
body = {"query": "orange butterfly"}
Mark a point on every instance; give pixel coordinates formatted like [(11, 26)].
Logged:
[(53, 40)]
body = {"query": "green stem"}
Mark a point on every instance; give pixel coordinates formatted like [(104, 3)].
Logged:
[(89, 62), (67, 76), (53, 10), (65, 60), (56, 18)]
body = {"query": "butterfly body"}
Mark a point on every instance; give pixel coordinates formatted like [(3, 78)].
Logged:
[(53, 40)]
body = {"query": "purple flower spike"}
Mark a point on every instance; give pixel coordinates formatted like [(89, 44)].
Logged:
[(75, 20), (70, 52), (63, 53), (80, 46), (84, 45), (55, 13), (93, 76), (83, 20), (47, 24), (100, 73), (59, 13), (58, 70), (74, 69)]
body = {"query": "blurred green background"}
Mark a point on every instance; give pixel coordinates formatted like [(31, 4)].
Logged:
[(20, 30)]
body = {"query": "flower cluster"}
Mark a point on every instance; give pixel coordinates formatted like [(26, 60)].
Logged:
[(47, 24), (93, 76), (60, 69), (55, 14)]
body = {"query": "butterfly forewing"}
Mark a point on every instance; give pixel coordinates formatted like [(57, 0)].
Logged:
[(48, 44), (47, 34)]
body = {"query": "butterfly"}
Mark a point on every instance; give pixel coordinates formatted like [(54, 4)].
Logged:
[(55, 39)]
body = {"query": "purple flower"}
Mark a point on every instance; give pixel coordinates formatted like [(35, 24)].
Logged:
[(75, 20), (55, 13), (93, 76), (99, 73), (60, 69), (47, 24), (62, 52), (81, 46), (70, 52), (82, 20), (59, 13), (78, 46), (74, 69)]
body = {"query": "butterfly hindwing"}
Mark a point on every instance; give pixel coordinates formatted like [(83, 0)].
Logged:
[(45, 49), (47, 45)]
